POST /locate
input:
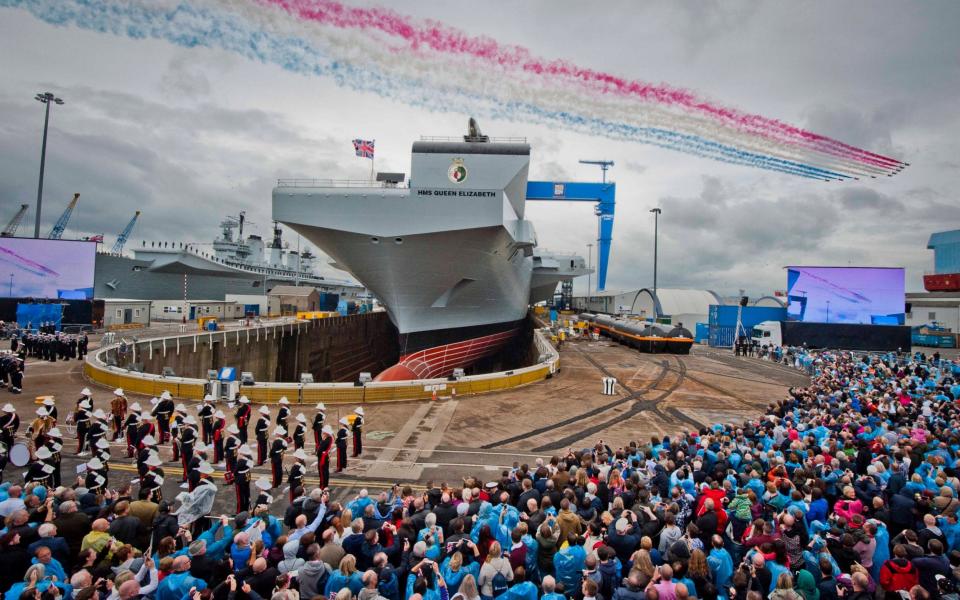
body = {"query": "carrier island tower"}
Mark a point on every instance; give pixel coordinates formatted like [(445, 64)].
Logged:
[(450, 256)]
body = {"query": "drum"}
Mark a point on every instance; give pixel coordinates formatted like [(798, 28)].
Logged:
[(19, 455)]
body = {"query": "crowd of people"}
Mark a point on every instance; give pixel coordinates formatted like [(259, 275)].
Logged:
[(848, 488)]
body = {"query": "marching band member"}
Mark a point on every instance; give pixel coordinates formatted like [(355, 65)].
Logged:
[(297, 471), (342, 445), (231, 448), (152, 480), (243, 415), (323, 455), (277, 449), (241, 477), (300, 432), (283, 413), (205, 413), (318, 423), (260, 433), (162, 410), (217, 431), (82, 419), (358, 431), (118, 411)]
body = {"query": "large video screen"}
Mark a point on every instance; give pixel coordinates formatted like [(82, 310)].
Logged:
[(865, 295), (53, 269)]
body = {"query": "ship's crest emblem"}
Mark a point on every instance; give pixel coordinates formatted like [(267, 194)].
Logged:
[(457, 171)]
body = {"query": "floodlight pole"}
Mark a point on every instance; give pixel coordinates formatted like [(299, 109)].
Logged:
[(656, 233), (46, 98)]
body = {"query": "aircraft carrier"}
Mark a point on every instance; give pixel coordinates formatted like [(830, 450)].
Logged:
[(230, 264), (450, 256)]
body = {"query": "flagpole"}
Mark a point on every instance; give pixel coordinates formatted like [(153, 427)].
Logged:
[(373, 160)]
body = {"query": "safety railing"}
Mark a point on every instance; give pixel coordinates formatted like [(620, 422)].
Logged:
[(150, 384), (334, 183)]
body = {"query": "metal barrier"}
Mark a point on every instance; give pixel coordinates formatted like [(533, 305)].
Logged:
[(96, 369)]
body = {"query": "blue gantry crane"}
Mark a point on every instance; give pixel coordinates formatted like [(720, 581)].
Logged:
[(57, 232), (602, 193), (122, 239)]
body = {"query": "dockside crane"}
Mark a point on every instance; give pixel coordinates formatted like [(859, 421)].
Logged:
[(118, 247), (11, 229), (603, 194), (57, 232)]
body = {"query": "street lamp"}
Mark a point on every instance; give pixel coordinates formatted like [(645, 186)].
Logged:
[(656, 232), (589, 266), (46, 98)]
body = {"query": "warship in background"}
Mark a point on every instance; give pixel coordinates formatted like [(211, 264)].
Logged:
[(451, 256), (231, 264)]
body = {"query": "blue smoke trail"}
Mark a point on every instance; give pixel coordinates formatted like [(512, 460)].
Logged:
[(190, 26)]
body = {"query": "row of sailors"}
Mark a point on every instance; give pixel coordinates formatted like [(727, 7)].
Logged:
[(51, 346)]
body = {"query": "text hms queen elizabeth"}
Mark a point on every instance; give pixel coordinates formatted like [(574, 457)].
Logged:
[(461, 193)]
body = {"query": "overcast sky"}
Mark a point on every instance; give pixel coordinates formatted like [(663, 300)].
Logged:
[(188, 136)]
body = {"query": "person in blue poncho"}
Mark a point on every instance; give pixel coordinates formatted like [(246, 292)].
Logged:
[(36, 577), (453, 571), (346, 576), (721, 566), (568, 563)]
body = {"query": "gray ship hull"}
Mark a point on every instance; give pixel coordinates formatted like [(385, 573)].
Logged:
[(123, 277)]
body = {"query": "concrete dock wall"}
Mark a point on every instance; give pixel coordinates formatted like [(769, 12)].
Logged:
[(335, 349)]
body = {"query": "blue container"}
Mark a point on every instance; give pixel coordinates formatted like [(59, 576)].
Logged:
[(703, 332), (723, 321)]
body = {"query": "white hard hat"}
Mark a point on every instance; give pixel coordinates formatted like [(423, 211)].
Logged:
[(86, 392), (327, 430), (54, 432), (118, 392), (103, 444), (244, 400), (135, 407), (278, 430), (219, 414), (166, 395), (43, 453), (264, 484), (300, 454), (344, 421), (321, 406), (95, 464), (231, 428), (85, 404), (99, 414), (246, 449), (359, 410), (148, 440), (283, 400), (205, 468), (301, 418), (208, 398), (153, 460), (181, 407), (264, 410), (42, 411), (189, 420), (9, 408), (48, 401)]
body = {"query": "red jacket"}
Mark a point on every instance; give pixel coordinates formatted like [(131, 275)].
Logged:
[(898, 574)]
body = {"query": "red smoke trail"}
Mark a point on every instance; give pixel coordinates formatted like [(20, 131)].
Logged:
[(444, 39)]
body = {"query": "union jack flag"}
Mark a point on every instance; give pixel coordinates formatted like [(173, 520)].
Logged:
[(364, 148)]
